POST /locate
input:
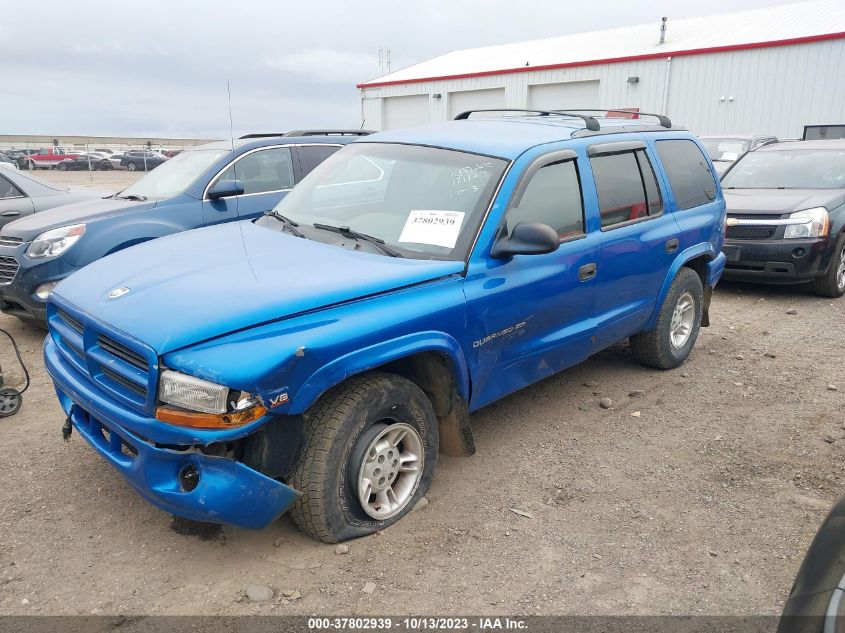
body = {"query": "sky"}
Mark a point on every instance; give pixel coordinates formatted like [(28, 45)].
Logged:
[(160, 67)]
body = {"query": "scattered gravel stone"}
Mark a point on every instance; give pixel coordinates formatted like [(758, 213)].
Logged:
[(370, 587), (829, 439), (296, 595), (685, 375), (739, 357), (770, 355), (522, 513), (713, 554), (605, 403), (636, 414), (591, 383), (832, 388), (792, 311), (419, 505), (288, 593), (341, 549), (259, 593), (636, 393)]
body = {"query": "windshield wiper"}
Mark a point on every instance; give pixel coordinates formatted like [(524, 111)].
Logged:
[(132, 196), (290, 225), (345, 230)]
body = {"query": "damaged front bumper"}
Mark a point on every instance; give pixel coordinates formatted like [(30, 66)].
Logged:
[(180, 480)]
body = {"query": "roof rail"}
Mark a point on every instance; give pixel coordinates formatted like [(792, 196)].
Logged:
[(662, 118), (329, 133), (308, 133), (590, 121)]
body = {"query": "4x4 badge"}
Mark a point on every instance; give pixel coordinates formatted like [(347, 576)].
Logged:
[(118, 292)]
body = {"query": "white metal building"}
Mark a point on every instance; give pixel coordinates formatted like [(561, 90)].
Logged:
[(768, 71)]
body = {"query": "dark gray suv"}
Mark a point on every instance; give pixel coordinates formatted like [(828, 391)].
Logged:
[(786, 215)]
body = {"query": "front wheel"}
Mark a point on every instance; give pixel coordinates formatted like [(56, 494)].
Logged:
[(832, 284), (369, 456), (62, 167), (673, 336), (131, 167)]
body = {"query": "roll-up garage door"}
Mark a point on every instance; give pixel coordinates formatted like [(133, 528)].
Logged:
[(407, 111), (560, 96), (464, 100)]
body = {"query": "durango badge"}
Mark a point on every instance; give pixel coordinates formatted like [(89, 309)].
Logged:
[(118, 292)]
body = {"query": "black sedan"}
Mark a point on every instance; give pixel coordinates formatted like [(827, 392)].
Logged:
[(142, 160), (81, 162)]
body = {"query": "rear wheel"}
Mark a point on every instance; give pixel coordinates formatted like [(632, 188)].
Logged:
[(832, 284), (131, 167), (62, 167), (673, 336), (10, 402), (369, 456), (32, 166)]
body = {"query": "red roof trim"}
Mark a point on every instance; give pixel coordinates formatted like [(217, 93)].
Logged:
[(615, 60)]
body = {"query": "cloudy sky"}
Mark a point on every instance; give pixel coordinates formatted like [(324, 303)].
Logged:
[(159, 67)]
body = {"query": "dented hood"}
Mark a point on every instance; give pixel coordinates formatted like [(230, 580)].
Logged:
[(196, 285)]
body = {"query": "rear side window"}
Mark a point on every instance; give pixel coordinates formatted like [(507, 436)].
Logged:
[(552, 197), (626, 187), (312, 155), (8, 190), (689, 174)]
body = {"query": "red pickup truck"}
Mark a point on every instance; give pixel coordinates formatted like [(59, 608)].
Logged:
[(47, 158)]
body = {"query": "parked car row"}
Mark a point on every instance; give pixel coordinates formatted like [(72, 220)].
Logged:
[(352, 299), (93, 160)]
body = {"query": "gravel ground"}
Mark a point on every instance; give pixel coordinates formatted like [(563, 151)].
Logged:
[(114, 179), (697, 492)]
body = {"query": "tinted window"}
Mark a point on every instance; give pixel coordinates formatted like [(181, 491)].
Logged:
[(265, 170), (621, 188), (689, 174), (553, 197), (8, 190), (313, 155)]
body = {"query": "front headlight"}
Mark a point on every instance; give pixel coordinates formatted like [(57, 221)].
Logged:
[(808, 223), (204, 404), (54, 242)]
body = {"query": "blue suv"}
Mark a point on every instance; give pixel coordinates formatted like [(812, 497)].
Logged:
[(214, 183), (319, 358)]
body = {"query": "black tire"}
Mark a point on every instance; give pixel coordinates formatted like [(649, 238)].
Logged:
[(338, 429), (832, 284), (131, 166), (654, 347), (32, 166), (10, 402)]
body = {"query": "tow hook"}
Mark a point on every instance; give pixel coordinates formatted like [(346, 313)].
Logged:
[(67, 429)]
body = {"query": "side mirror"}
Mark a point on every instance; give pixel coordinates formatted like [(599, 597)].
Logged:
[(226, 189), (527, 238)]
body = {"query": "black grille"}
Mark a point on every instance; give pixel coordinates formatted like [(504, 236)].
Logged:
[(10, 241), (750, 232), (8, 269), (73, 323), (123, 352), (128, 384), (755, 216)]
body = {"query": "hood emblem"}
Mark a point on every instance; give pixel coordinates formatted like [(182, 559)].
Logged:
[(118, 292)]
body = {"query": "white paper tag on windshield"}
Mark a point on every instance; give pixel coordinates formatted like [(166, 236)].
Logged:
[(432, 226), (730, 155)]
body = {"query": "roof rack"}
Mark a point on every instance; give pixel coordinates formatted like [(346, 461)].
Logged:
[(316, 132), (590, 121), (662, 118)]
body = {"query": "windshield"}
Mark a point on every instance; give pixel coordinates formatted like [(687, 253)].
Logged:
[(173, 177), (423, 202), (788, 169), (725, 149)]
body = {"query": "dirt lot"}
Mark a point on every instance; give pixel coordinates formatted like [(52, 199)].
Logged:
[(703, 503), (112, 180)]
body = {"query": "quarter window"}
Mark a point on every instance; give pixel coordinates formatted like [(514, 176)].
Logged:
[(8, 190), (552, 197), (263, 171), (689, 174), (312, 155), (626, 187)]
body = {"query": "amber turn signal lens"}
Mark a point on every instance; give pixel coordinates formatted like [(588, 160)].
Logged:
[(180, 417)]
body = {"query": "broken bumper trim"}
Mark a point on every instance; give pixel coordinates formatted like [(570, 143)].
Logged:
[(227, 491)]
